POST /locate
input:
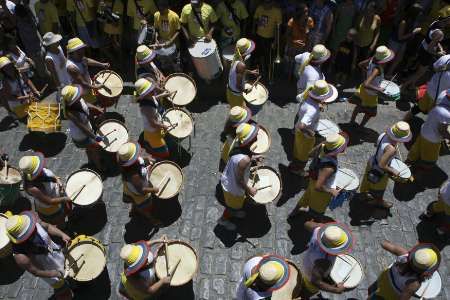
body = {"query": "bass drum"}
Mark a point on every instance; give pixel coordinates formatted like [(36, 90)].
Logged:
[(206, 60)]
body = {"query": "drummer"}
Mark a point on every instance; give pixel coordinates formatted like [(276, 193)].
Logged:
[(262, 276), (35, 251), (55, 60), (327, 241), (136, 187), (239, 72), (440, 209), (138, 279), (77, 66), (236, 174), (366, 98), (378, 168), (146, 68), (310, 67), (307, 120), (198, 21), (77, 112), (233, 17), (404, 277), (154, 127), (324, 165), (46, 188)]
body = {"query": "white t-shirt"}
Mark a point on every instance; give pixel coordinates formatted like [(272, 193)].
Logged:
[(445, 192), (244, 293), (444, 77), (309, 114), (430, 129), (229, 179), (310, 74), (76, 133), (11, 6)]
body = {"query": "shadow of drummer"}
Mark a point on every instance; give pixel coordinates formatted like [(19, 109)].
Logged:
[(99, 288)]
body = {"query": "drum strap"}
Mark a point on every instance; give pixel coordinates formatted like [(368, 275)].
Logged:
[(375, 160), (199, 19), (233, 15)]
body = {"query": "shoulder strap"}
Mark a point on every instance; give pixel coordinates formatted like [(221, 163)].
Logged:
[(139, 8), (199, 19), (378, 149), (230, 8), (81, 15)]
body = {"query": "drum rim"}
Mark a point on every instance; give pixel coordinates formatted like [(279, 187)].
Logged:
[(440, 278), (354, 173), (186, 112), (190, 49), (263, 128), (178, 167), (401, 177), (7, 241), (173, 75), (112, 121), (91, 171), (114, 73), (17, 183), (281, 184), (267, 92), (178, 242), (360, 264)]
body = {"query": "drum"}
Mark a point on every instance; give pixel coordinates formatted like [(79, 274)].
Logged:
[(267, 182), (115, 133), (180, 122), (295, 280), (256, 98), (391, 92), (9, 186), (5, 244), (45, 116), (344, 179), (430, 288), (166, 51), (227, 56), (263, 141), (180, 255), (168, 178), (84, 187), (114, 86), (184, 86), (405, 172), (327, 127), (85, 259), (347, 270), (206, 60)]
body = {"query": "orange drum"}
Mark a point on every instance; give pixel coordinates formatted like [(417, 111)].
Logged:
[(110, 94)]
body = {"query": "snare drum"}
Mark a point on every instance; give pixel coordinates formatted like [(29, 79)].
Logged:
[(267, 182), (114, 86), (10, 186), (168, 178), (347, 270), (85, 259), (84, 187), (45, 116), (263, 141), (184, 86), (405, 172), (391, 92), (345, 179), (178, 251), (115, 133), (180, 122), (205, 57), (5, 243), (294, 282), (326, 127), (430, 288), (256, 98)]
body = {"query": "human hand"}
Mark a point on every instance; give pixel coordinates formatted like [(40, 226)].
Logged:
[(99, 138), (417, 30), (106, 65), (5, 157), (66, 239), (57, 274), (335, 192), (340, 288), (252, 191), (166, 280), (208, 37)]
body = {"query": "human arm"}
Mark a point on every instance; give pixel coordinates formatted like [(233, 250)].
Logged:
[(38, 194), (376, 34), (410, 289), (56, 232), (82, 126), (389, 153), (94, 63), (25, 263), (393, 248), (151, 290), (137, 183), (152, 118), (364, 64), (318, 278), (324, 174), (78, 78), (403, 35), (368, 82), (51, 69), (242, 167), (213, 21)]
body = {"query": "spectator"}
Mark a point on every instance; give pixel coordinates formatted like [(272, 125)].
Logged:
[(345, 60), (64, 22), (55, 60), (345, 14), (47, 15), (82, 14), (368, 28), (233, 16), (198, 21), (141, 12), (323, 22)]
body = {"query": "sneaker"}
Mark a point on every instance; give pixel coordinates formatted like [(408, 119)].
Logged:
[(227, 224)]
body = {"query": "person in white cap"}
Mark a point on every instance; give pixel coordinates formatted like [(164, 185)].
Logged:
[(145, 66), (439, 211), (55, 60)]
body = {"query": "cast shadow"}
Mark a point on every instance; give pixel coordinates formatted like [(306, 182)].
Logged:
[(138, 229), (11, 272), (363, 214), (21, 204), (167, 210), (88, 220), (99, 288), (282, 92), (49, 144), (359, 135), (208, 95), (426, 232), (8, 123), (184, 292), (287, 141), (291, 184)]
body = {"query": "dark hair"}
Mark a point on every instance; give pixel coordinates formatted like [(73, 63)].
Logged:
[(413, 12)]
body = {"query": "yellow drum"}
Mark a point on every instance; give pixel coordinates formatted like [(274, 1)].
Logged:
[(168, 178), (5, 244), (85, 259), (45, 116)]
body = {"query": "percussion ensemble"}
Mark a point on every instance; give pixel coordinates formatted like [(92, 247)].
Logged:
[(180, 122), (326, 127), (110, 94), (205, 57), (5, 244), (263, 141), (405, 172), (45, 115), (257, 97), (84, 187), (168, 178), (10, 182), (184, 86), (267, 183), (115, 133), (347, 270), (347, 181), (391, 92)]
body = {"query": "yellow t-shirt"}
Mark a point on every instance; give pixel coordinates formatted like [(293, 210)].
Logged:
[(267, 21), (167, 25), (226, 17), (207, 15), (61, 7), (86, 7), (47, 15), (147, 7), (114, 28)]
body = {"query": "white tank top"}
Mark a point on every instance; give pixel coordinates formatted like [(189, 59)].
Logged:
[(398, 280), (51, 189), (377, 80), (144, 176), (76, 133), (147, 126), (81, 67), (382, 143), (59, 61), (229, 179), (232, 78)]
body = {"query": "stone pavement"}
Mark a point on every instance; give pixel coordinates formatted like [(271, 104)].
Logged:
[(193, 218)]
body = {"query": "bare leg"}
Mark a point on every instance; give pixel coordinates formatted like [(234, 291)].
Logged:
[(355, 113), (365, 119)]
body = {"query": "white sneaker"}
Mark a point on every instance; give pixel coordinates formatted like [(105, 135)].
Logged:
[(227, 224), (238, 214)]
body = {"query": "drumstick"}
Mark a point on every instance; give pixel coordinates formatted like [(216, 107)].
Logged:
[(109, 143), (264, 187), (174, 269), (166, 254), (66, 271), (78, 193), (349, 272), (107, 77), (345, 186), (164, 186), (162, 180), (347, 174), (172, 127), (255, 82), (425, 290), (105, 135)]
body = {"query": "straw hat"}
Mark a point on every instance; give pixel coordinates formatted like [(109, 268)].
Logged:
[(135, 256), (143, 87), (4, 61), (425, 258), (239, 115), (144, 54), (19, 228), (323, 91), (71, 93), (128, 154), (50, 38), (335, 143), (334, 238), (383, 55), (320, 54), (75, 44), (245, 46), (32, 165), (246, 134), (400, 132), (273, 271)]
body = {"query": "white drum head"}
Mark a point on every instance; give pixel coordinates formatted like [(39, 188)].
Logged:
[(430, 289), (167, 50), (116, 134), (263, 141), (14, 176), (168, 177), (185, 270), (182, 122), (4, 239), (90, 265), (344, 179), (92, 183), (391, 88), (202, 49), (347, 268), (184, 86), (114, 83), (268, 185), (397, 164), (257, 96), (326, 127), (228, 53)]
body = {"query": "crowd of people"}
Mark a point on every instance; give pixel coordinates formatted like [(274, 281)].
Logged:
[(54, 46)]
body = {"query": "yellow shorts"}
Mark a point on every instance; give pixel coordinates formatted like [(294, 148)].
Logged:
[(440, 207), (90, 96), (426, 103), (317, 201), (311, 289), (232, 201), (157, 143), (302, 146), (235, 100), (424, 151), (384, 290), (366, 99), (225, 151), (375, 188)]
